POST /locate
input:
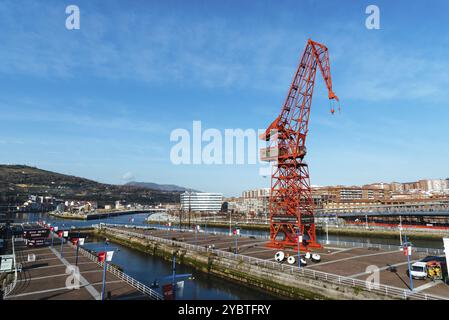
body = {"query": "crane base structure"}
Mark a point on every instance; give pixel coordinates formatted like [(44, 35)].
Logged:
[(291, 203)]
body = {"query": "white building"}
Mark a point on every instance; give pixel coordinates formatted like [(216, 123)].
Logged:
[(255, 201), (435, 185), (201, 201)]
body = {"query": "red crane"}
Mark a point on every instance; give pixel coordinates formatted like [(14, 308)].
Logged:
[(291, 203)]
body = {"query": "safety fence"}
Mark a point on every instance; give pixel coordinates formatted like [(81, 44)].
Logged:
[(430, 251), (347, 244), (122, 276), (382, 289), (17, 268)]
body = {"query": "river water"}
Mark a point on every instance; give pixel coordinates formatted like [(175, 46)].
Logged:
[(146, 268)]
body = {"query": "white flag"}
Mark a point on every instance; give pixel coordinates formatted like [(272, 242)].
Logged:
[(66, 234), (109, 255), (55, 229), (81, 241)]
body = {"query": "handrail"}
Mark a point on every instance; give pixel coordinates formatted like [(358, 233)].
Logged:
[(435, 251), (123, 276), (332, 278), (10, 287)]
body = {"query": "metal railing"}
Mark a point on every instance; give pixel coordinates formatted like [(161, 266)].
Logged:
[(17, 267), (349, 244), (430, 251), (305, 272), (123, 276), (441, 207)]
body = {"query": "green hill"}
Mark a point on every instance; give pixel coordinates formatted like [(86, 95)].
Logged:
[(19, 181)]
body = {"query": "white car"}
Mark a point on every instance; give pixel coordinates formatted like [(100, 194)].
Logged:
[(419, 270)]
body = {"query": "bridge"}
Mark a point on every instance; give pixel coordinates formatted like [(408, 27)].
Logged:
[(440, 208)]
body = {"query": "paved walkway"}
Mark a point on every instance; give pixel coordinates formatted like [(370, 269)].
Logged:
[(343, 261), (49, 277)]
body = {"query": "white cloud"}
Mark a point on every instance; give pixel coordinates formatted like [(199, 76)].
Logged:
[(128, 176)]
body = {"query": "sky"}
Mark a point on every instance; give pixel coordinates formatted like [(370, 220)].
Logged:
[(101, 102)]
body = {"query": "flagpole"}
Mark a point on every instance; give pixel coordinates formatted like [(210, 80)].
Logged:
[(104, 278)]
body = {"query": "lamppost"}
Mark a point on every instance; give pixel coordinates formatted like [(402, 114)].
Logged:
[(299, 249), (400, 230), (407, 246), (105, 256), (174, 275), (327, 231), (236, 234), (196, 234), (52, 236), (79, 242), (62, 233), (190, 206)]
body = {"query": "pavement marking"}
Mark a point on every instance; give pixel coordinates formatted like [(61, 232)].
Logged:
[(257, 251), (33, 250), (39, 292), (55, 276), (428, 285), (339, 250), (94, 293), (59, 289), (381, 269), (46, 259), (352, 258), (38, 255), (54, 266)]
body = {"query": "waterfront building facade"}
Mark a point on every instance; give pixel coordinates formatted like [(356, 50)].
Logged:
[(201, 202)]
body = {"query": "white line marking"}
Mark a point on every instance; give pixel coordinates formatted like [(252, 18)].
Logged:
[(352, 258), (95, 294), (427, 285)]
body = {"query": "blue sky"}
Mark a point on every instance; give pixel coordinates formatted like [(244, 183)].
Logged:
[(100, 102)]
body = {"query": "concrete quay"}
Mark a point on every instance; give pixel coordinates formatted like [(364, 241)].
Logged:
[(96, 215), (341, 274)]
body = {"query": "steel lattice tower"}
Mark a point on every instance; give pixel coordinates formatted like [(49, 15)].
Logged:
[(291, 203)]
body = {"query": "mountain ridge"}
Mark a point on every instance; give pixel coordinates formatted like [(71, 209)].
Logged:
[(157, 186), (17, 182)]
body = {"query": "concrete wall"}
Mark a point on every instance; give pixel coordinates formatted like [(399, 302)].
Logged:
[(273, 281)]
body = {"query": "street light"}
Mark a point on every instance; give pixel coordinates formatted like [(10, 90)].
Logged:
[(407, 246), (197, 228), (236, 234), (299, 249), (230, 221), (104, 257), (62, 233), (79, 242)]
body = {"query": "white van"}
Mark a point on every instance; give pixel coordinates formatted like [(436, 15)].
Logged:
[(419, 270)]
